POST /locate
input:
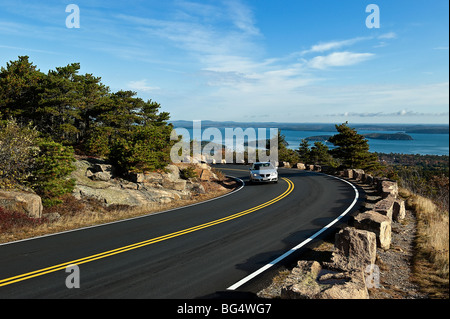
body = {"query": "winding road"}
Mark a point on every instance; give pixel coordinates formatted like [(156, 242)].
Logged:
[(191, 252)]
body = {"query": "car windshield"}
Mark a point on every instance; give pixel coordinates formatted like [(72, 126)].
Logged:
[(261, 166)]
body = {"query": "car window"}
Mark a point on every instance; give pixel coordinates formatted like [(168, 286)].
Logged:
[(262, 166)]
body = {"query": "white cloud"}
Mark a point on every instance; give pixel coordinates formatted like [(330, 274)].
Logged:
[(338, 59), (389, 35), (332, 45), (242, 17), (141, 86)]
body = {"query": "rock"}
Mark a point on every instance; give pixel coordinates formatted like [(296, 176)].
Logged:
[(154, 178), (173, 172), (377, 223), (138, 189), (318, 168), (207, 175), (358, 174), (301, 282), (101, 176), (399, 210), (178, 185), (388, 188), (51, 217), (300, 166), (348, 173), (344, 285), (27, 203), (368, 179), (309, 280), (310, 167), (385, 207), (285, 164), (103, 168), (136, 177), (354, 249)]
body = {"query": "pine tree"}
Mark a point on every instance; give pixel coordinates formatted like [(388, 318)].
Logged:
[(320, 154), (20, 86), (304, 151), (352, 149)]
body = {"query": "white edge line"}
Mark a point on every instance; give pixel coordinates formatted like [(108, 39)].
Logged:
[(275, 261), (132, 218)]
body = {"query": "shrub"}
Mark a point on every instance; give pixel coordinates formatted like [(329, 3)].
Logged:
[(17, 153), (10, 219), (188, 172), (52, 166), (146, 149)]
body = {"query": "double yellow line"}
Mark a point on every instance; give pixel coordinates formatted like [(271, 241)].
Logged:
[(41, 272)]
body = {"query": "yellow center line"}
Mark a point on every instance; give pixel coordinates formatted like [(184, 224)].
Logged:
[(41, 272)]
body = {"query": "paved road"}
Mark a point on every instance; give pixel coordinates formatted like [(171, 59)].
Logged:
[(185, 253)]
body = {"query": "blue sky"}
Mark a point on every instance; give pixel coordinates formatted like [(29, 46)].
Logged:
[(250, 60)]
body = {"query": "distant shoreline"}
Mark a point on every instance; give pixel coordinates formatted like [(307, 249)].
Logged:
[(321, 127)]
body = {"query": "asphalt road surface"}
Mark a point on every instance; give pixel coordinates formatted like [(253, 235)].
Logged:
[(192, 252)]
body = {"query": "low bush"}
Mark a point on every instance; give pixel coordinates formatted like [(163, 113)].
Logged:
[(10, 219)]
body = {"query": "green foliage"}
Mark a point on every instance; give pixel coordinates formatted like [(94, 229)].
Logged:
[(285, 154), (352, 149), (79, 111), (20, 86), (145, 149), (188, 172), (320, 154), (17, 153), (52, 166), (425, 175), (304, 151)]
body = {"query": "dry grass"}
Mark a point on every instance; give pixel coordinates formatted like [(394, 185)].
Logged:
[(76, 214), (431, 260)]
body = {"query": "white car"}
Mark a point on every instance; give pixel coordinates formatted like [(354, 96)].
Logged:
[(264, 172)]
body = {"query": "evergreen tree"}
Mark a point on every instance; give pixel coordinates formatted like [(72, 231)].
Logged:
[(52, 166), (320, 154), (352, 149), (20, 85), (284, 153), (304, 151), (59, 104), (79, 111)]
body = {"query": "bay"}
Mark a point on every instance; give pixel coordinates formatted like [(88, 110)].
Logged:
[(422, 144)]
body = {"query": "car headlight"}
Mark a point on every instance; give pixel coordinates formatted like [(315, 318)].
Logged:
[(255, 175)]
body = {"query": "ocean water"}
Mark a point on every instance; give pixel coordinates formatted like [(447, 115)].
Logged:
[(422, 144)]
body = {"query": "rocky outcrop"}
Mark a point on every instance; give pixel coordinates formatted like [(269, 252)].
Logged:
[(27, 203), (96, 179)]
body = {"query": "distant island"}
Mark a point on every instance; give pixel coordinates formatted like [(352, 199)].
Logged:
[(377, 136), (394, 137)]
